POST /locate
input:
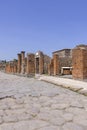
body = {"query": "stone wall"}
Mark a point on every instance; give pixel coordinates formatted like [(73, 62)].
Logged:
[(63, 53), (65, 62), (2, 65), (11, 67)]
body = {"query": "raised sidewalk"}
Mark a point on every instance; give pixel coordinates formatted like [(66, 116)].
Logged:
[(75, 85)]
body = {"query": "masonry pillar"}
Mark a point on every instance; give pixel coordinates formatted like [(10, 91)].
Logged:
[(39, 63), (30, 63), (56, 64), (19, 63), (9, 68), (51, 67), (12, 68), (79, 62), (23, 62)]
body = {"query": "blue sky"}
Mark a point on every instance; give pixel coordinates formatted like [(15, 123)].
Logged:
[(46, 25)]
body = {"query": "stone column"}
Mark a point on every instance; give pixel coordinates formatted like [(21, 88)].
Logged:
[(56, 64), (79, 62), (19, 63), (23, 62)]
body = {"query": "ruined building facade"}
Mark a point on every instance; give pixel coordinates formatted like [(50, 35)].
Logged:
[(41, 63), (2, 65), (65, 61), (11, 67), (29, 65), (61, 58)]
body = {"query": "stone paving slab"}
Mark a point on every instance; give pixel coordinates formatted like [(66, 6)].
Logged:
[(31, 104), (75, 85)]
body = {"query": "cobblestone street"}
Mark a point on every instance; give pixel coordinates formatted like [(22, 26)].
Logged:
[(30, 104)]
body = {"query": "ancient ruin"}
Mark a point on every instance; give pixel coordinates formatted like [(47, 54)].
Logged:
[(19, 63), (2, 65), (79, 59), (30, 64), (39, 62), (63, 62)]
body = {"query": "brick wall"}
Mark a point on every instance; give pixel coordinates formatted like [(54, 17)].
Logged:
[(79, 61)]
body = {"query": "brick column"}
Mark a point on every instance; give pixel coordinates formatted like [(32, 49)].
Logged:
[(23, 62), (49, 73), (9, 68), (12, 68), (51, 67), (30, 63), (19, 63), (79, 61), (56, 64), (41, 64)]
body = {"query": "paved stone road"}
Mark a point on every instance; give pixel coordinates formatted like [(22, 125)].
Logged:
[(74, 85), (29, 104)]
